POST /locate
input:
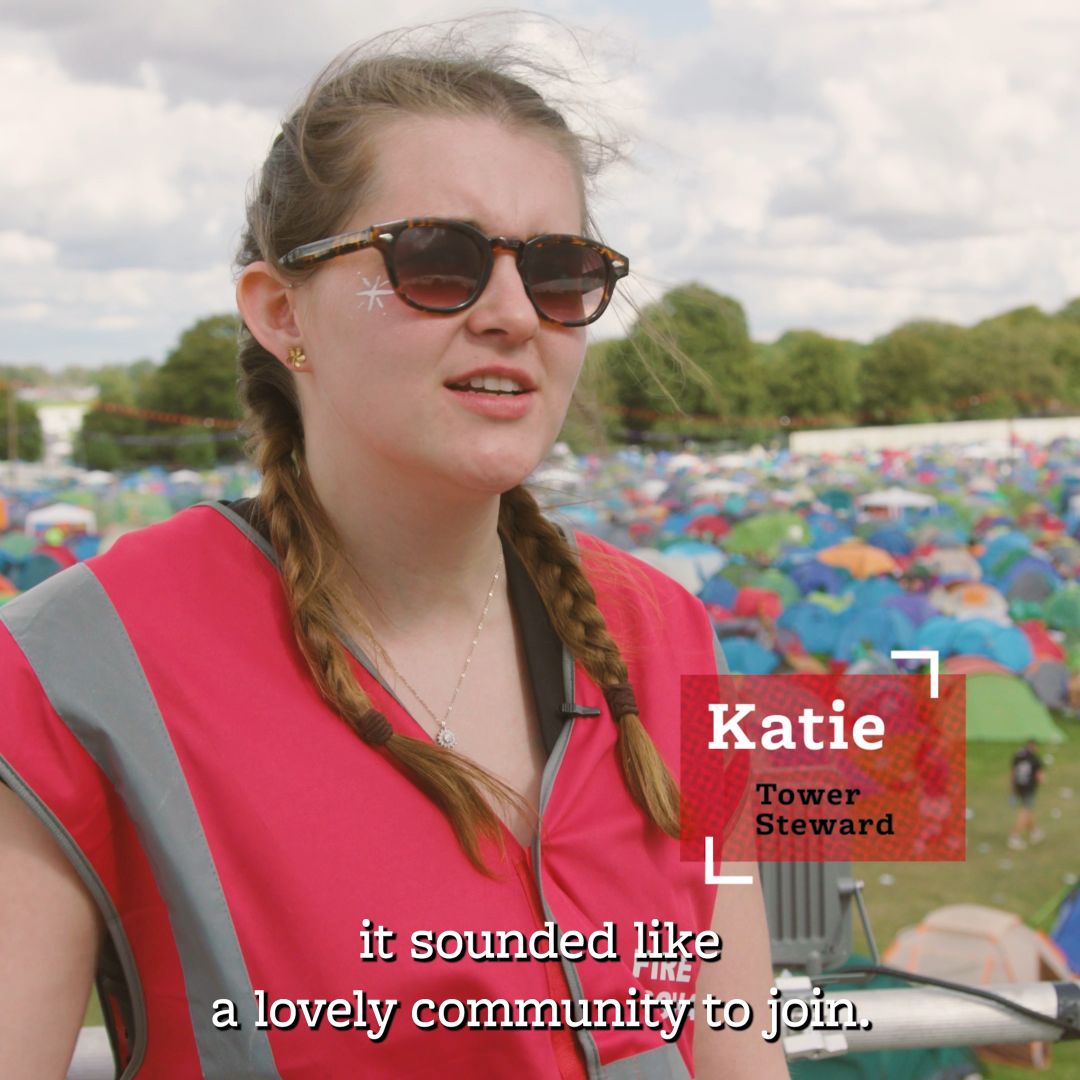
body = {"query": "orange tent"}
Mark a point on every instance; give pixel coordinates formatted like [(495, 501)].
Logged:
[(859, 558)]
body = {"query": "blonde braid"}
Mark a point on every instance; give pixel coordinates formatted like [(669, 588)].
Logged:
[(302, 537), (571, 605)]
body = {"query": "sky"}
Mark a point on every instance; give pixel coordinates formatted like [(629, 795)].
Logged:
[(839, 165)]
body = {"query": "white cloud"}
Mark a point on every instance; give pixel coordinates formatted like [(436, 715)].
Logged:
[(118, 169), (19, 249), (840, 164), (923, 146)]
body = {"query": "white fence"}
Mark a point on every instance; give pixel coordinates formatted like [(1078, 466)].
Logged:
[(958, 433)]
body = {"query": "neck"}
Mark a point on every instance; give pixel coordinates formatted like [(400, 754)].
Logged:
[(415, 554)]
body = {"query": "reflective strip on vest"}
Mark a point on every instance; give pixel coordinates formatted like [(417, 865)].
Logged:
[(112, 712), (661, 1063)]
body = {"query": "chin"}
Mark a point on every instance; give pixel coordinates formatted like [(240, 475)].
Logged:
[(501, 477), (499, 469)]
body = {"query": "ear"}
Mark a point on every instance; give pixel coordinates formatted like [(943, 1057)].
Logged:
[(267, 306)]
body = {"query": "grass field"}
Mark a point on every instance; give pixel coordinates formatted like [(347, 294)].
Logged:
[(900, 894)]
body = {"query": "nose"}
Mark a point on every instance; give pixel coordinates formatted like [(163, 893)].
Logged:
[(504, 306)]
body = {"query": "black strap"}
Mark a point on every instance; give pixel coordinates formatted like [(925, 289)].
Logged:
[(543, 650)]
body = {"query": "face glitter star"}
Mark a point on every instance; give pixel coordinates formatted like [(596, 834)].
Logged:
[(375, 292)]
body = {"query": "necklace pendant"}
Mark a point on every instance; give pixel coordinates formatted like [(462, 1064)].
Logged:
[(445, 738)]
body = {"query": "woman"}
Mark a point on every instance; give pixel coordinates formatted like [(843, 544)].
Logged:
[(267, 820)]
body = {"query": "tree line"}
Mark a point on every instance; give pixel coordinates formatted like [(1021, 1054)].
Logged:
[(686, 369)]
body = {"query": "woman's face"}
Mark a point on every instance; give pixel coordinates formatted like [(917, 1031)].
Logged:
[(378, 397)]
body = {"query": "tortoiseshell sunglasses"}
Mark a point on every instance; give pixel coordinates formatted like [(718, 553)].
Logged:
[(442, 266)]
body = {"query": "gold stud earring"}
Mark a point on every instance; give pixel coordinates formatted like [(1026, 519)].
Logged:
[(296, 356)]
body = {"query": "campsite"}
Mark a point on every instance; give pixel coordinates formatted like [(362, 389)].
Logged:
[(809, 563)]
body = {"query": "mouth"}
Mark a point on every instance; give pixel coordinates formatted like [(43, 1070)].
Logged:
[(498, 385)]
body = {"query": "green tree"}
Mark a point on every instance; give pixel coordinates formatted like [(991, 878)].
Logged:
[(125, 383), (113, 439), (29, 374), (1071, 310), (592, 420), (904, 376), (1017, 358), (109, 440), (810, 377), (198, 377), (30, 443), (687, 355)]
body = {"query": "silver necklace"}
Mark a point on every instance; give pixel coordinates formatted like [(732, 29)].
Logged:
[(444, 737)]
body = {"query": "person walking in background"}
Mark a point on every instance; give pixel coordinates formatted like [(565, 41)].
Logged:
[(1025, 776)]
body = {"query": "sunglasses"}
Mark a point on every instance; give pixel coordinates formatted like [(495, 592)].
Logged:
[(443, 266)]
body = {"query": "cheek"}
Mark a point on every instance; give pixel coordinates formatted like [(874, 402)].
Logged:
[(372, 293), (572, 355)]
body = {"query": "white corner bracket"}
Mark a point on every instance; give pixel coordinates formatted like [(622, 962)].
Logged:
[(713, 878), (931, 656)]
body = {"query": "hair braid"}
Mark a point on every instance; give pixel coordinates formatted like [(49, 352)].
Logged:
[(571, 605), (309, 561)]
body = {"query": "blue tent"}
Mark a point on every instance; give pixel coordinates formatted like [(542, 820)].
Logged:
[(816, 626), (814, 576), (746, 657), (1001, 545), (719, 590), (85, 546), (1008, 645), (33, 570), (893, 539), (1066, 931), (873, 591), (882, 629), (916, 606), (675, 524), (937, 633), (1033, 562), (826, 530)]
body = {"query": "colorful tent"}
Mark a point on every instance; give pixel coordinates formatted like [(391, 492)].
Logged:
[(859, 558), (1063, 608), (68, 517), (765, 534), (746, 657), (979, 945), (815, 626), (814, 576), (1066, 931), (879, 629), (1003, 708)]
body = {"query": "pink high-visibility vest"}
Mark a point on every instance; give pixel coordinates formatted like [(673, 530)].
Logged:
[(156, 713)]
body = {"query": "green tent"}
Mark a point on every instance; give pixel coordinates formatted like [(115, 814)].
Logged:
[(836, 498), (17, 544), (1063, 608), (778, 582), (766, 534), (1004, 708)]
